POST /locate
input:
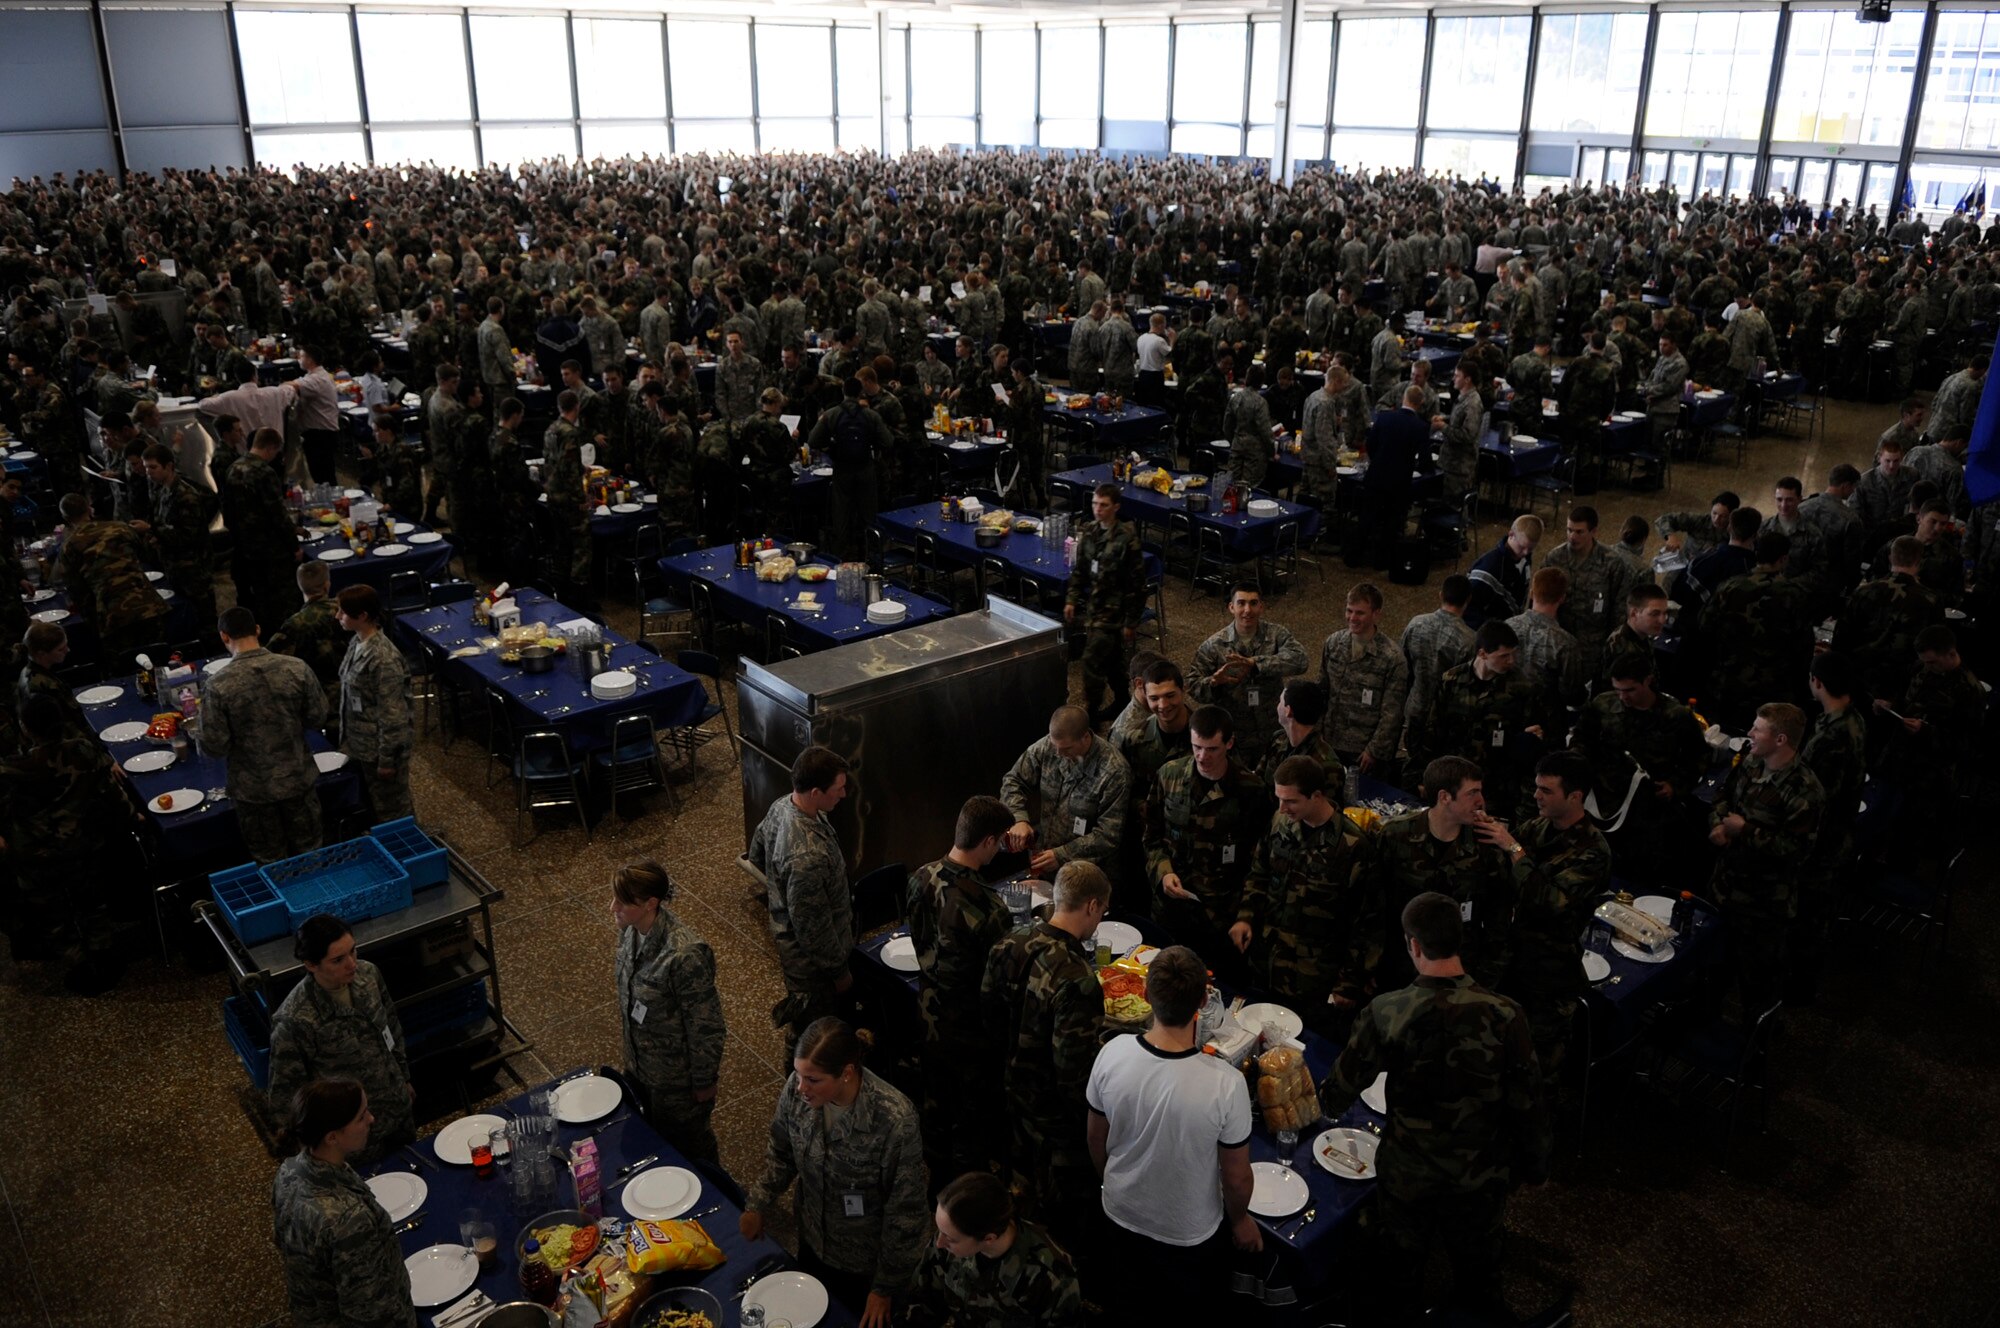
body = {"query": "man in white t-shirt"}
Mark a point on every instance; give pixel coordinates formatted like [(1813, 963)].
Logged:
[(1170, 1133), (1156, 344)]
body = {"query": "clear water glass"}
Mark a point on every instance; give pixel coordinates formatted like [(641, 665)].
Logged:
[(1288, 1147)]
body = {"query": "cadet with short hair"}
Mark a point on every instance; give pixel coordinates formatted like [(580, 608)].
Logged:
[(1107, 591), (1301, 708), (1486, 712), (375, 728), (1367, 682), (1432, 643), (1438, 848), (1470, 1123), (805, 873), (255, 715), (1757, 636), (1836, 751), (101, 564), (1598, 581), (1647, 753), (314, 633), (1083, 788), (955, 919), (1242, 667), (1549, 656), (1204, 820), (669, 1015)]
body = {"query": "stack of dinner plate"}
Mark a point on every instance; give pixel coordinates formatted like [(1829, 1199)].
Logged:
[(888, 611), (1263, 507), (613, 685)]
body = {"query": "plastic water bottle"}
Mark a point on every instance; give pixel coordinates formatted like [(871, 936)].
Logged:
[(1353, 791)]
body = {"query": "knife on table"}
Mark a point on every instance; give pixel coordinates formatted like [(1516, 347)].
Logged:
[(625, 1172)]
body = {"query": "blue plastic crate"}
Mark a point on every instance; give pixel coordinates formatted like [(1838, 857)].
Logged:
[(455, 1009), (250, 1049), (422, 857), (249, 904), (353, 881)]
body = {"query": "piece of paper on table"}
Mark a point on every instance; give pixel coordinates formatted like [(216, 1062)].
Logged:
[(1001, 393), (791, 423), (169, 268), (575, 625), (99, 305)]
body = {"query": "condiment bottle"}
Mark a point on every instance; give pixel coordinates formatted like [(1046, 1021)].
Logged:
[(538, 1280)]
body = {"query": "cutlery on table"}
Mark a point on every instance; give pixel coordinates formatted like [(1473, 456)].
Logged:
[(411, 1149), (615, 1120), (477, 1304), (413, 1221), (627, 1171), (1305, 1220)]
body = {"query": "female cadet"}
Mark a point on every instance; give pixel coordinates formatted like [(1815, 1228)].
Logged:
[(668, 1009)]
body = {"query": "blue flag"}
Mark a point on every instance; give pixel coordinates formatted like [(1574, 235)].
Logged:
[(1965, 199), (1982, 455), (1909, 198)]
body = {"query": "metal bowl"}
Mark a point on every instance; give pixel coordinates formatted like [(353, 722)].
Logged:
[(1197, 500), (691, 1299), (800, 551), (989, 537), (537, 659)]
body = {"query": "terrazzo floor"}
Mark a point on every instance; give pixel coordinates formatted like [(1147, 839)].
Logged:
[(136, 1193)]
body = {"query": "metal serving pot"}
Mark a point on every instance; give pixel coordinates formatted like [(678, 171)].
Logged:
[(537, 659)]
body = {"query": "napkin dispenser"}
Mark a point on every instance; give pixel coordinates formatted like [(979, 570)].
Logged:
[(1635, 928), (505, 613)]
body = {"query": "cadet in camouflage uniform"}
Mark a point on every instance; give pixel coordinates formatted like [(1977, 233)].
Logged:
[(1083, 788), (955, 919), (1836, 751), (343, 1267), (1301, 707), (770, 448), (1488, 713), (1598, 583), (341, 1021), (179, 531), (1367, 682), (1880, 621), (739, 379), (1438, 848), (862, 1211), (1205, 816), (1635, 727), (1549, 656), (1307, 919), (48, 422), (444, 419), (564, 486), (988, 1269), (1765, 823), (669, 1015), (1589, 394), (1561, 866), (1247, 426), (1107, 591), (266, 540), (812, 914), (100, 563), (1467, 1122), (1942, 708), (255, 715), (1043, 1011), (375, 728), (1244, 666), (1432, 643), (314, 633), (1758, 638)]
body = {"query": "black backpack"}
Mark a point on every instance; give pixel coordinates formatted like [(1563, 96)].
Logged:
[(853, 440)]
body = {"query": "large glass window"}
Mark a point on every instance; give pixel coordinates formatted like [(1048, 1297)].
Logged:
[(619, 75), (298, 68), (1845, 81), (1381, 69), (713, 135), (285, 150), (1312, 66), (896, 88), (1961, 108), (1363, 149), (1208, 88), (442, 147), (522, 64), (794, 72), (1135, 73), (1710, 71), (1478, 66), (941, 86), (1069, 87), (1007, 86), (1472, 157), (613, 141), (1263, 107), (813, 135), (515, 144), (711, 70), (858, 85), (1587, 73), (414, 65)]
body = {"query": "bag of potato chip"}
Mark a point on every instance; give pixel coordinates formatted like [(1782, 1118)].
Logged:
[(670, 1247)]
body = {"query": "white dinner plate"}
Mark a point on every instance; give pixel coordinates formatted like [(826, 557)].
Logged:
[(130, 731), (40, 596), (440, 1274), (96, 696), (1596, 967), (626, 507), (1376, 1095), (336, 555), (453, 1143), (390, 550), (1276, 1191), (1631, 951), (351, 494), (586, 1098), (798, 1298), (1361, 1143), (156, 576), (328, 762), (402, 527), (399, 1192), (163, 592), (1657, 907), (660, 1194), (900, 954), (216, 665), (822, 470), (148, 761), (24, 455), (1274, 1021), (650, 500), (426, 537), (51, 615), (963, 446), (183, 800), (1120, 936)]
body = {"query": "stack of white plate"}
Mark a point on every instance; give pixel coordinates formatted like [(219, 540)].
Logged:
[(613, 685), (1263, 507), (888, 611)]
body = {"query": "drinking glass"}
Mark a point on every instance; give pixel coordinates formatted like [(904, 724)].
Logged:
[(482, 1241), (482, 1158), (1288, 1147)]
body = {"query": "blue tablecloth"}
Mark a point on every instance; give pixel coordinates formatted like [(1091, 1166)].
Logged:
[(454, 1189), (29, 464), (1127, 427), (207, 837), (1025, 555), (740, 597), (672, 697), (431, 561), (984, 454), (1706, 413), (1243, 535), (1783, 386), (1616, 1007), (82, 632)]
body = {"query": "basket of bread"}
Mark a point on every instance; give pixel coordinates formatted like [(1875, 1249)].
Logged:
[(1285, 1091), (780, 568)]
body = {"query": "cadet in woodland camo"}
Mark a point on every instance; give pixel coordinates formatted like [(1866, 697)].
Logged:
[(1042, 1006), (1559, 875), (316, 1036), (1410, 860), (1205, 831), (1033, 1282), (343, 1267), (1486, 720), (100, 563), (1308, 902), (255, 716), (1083, 802), (955, 920), (671, 1020), (1107, 592)]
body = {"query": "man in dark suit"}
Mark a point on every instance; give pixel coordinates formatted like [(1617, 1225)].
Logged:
[(1399, 448)]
